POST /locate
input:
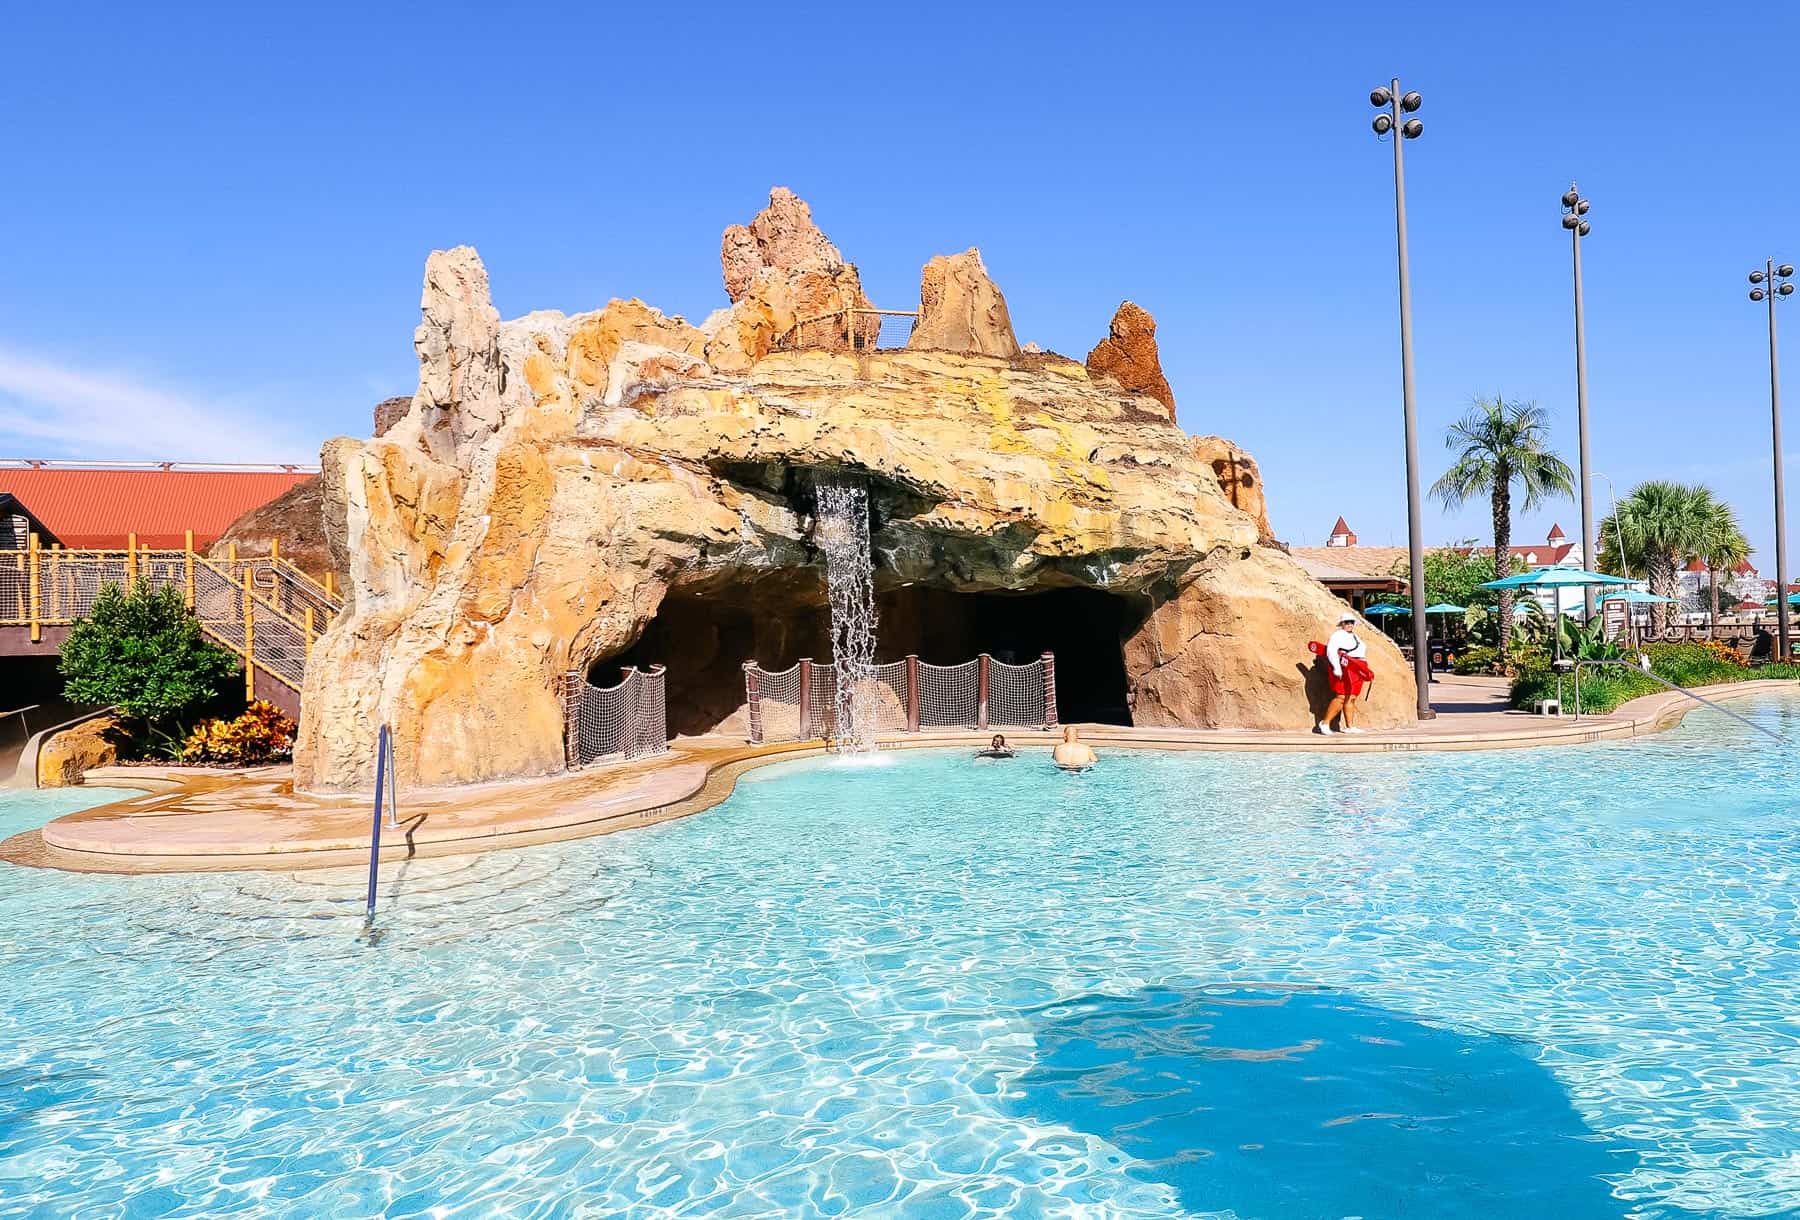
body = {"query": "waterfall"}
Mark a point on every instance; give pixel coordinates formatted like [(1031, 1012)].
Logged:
[(841, 530)]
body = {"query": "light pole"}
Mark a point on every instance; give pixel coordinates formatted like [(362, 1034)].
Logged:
[(1394, 104), (1624, 567), (1771, 284), (1575, 221)]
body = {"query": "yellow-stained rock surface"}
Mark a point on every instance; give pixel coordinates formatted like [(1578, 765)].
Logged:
[(560, 480), (66, 756)]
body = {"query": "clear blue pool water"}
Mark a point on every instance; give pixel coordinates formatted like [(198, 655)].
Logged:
[(1544, 983)]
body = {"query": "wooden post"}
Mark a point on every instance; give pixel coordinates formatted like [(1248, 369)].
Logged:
[(753, 697), (571, 700), (231, 551), (274, 550), (806, 724), (32, 565), (981, 693), (187, 566), (1049, 690), (249, 643), (329, 592), (131, 571), (912, 693), (308, 618)]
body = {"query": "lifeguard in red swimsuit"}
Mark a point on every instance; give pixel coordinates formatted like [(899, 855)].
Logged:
[(1346, 654)]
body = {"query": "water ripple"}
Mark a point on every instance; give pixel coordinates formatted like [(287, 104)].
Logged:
[(1544, 983)]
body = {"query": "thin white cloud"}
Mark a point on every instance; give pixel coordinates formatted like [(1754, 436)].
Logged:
[(49, 409)]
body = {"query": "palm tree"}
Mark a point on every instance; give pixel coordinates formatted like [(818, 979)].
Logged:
[(1500, 445), (1722, 548), (1664, 524)]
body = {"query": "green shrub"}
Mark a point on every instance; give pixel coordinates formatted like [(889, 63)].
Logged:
[(1705, 663), (1481, 659), (1485, 659), (143, 652), (1700, 664)]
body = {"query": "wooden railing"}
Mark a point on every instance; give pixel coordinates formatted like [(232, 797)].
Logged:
[(850, 329), (262, 607)]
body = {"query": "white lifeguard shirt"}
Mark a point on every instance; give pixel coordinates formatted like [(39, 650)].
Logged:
[(1343, 643)]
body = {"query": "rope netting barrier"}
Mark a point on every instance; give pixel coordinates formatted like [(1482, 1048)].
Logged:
[(629, 720), (800, 703), (950, 695), (777, 716), (1016, 693)]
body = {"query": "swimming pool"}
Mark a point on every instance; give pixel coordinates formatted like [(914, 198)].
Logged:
[(1557, 982)]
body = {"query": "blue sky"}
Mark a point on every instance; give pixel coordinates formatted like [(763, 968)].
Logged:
[(214, 221)]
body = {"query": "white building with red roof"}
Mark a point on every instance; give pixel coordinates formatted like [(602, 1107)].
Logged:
[(1743, 584)]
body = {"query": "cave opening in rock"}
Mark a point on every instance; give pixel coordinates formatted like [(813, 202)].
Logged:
[(704, 634)]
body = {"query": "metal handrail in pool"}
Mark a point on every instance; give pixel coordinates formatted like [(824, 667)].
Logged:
[(385, 785), (1672, 686)]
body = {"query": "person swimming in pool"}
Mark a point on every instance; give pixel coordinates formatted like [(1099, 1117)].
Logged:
[(997, 748), (1072, 753)]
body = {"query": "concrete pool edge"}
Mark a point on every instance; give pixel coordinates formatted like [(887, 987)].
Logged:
[(239, 822)]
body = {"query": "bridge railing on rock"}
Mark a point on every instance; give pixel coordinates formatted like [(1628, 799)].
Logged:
[(799, 703), (854, 329), (629, 720), (262, 608)]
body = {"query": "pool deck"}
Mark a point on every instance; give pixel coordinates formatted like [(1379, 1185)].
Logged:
[(206, 821)]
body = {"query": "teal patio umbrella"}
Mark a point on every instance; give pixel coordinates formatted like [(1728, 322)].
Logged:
[(1386, 610), (1446, 608), (1557, 578)]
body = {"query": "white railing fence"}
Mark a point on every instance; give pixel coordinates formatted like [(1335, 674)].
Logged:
[(800, 703)]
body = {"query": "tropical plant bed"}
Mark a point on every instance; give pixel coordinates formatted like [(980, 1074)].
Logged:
[(1604, 689)]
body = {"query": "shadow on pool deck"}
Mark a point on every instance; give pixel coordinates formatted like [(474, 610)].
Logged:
[(1302, 1103)]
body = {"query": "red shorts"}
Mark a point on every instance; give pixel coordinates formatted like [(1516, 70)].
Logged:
[(1351, 682)]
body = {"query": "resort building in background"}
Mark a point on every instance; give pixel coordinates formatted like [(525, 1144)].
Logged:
[(84, 505), (1363, 575)]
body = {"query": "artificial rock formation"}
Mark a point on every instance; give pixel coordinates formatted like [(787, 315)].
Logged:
[(390, 411), (66, 756), (784, 279), (961, 309), (294, 518), (568, 489), (1239, 478), (1128, 355)]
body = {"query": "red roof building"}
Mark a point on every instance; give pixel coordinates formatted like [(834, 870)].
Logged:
[(99, 505)]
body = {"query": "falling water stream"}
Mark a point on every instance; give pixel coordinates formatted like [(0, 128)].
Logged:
[(841, 530)]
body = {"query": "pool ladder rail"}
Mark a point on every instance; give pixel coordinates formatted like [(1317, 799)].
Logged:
[(385, 786), (1697, 698)]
